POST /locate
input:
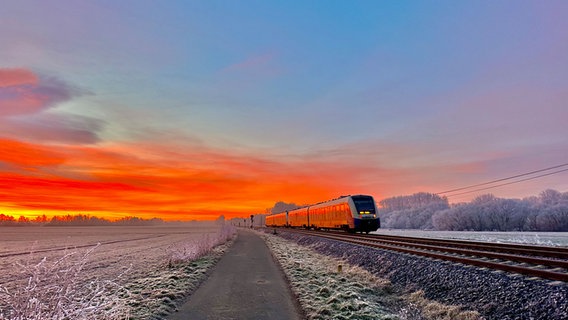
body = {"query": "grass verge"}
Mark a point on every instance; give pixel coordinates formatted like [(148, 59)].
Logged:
[(327, 291)]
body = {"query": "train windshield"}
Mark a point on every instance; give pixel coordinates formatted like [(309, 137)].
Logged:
[(364, 204)]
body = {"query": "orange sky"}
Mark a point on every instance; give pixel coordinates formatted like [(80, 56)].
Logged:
[(112, 180)]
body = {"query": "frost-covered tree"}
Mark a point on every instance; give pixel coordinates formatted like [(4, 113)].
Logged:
[(6, 220), (550, 197), (281, 206), (413, 201), (547, 212), (411, 212)]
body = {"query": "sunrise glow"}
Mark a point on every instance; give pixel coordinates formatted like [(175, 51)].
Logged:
[(131, 110)]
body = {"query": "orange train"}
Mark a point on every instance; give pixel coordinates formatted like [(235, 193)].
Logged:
[(356, 213)]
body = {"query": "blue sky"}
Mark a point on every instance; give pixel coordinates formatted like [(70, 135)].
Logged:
[(400, 96)]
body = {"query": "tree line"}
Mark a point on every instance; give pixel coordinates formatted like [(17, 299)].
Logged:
[(76, 220), (546, 212)]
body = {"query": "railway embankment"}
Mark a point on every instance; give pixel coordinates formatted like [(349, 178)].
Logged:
[(493, 294)]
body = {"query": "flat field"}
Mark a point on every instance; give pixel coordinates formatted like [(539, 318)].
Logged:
[(119, 247), (138, 258)]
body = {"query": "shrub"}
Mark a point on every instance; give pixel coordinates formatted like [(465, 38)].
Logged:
[(197, 248)]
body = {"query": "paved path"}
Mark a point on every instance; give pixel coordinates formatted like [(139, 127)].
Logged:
[(246, 283)]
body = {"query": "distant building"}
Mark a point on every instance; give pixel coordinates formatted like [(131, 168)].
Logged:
[(258, 220)]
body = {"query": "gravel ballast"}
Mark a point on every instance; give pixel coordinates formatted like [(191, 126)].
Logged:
[(494, 294)]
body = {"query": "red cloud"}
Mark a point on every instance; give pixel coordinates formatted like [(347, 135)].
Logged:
[(16, 76), (18, 93), (21, 154)]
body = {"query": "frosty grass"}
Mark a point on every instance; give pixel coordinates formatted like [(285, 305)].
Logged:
[(325, 292), (144, 279)]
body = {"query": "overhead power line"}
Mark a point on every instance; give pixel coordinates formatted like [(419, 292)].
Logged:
[(505, 179), (504, 184)]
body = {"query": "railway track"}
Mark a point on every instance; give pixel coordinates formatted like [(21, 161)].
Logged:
[(536, 261)]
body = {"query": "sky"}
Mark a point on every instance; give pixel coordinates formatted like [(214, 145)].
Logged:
[(194, 109)]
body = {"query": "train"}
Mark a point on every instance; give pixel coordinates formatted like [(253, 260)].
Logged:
[(353, 213)]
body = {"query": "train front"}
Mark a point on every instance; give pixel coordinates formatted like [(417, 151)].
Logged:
[(365, 217)]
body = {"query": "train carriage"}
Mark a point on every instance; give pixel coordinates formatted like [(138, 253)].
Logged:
[(298, 218), (333, 214), (277, 220)]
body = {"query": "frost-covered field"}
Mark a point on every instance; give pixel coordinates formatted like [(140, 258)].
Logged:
[(536, 238), (146, 271), (325, 292)]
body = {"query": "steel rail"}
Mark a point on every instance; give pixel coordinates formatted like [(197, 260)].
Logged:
[(533, 250), (473, 252), (546, 274), (553, 252)]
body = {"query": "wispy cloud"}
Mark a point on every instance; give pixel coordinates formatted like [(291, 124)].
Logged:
[(27, 109), (23, 92), (253, 62), (258, 66)]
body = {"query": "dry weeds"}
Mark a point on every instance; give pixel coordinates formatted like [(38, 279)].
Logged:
[(434, 310), (57, 289)]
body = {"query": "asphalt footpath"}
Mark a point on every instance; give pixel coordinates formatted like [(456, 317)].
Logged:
[(246, 283)]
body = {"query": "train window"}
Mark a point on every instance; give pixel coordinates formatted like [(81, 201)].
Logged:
[(364, 204)]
